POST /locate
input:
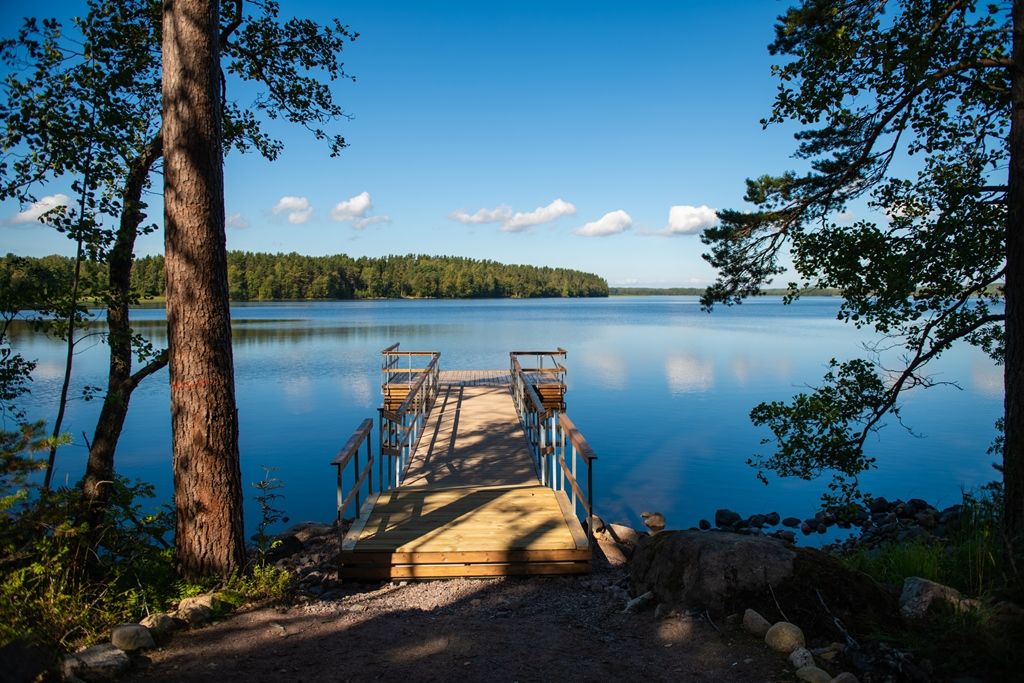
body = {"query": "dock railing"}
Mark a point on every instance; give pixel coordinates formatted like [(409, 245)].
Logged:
[(409, 392), (556, 444), (350, 453)]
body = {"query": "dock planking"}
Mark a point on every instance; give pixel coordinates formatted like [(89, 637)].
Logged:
[(470, 503)]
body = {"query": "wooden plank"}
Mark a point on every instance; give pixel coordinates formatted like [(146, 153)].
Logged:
[(579, 537), (439, 571), (353, 558)]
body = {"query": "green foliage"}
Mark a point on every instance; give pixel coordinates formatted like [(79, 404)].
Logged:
[(903, 106), (258, 277), (264, 582), (267, 497), (63, 584)]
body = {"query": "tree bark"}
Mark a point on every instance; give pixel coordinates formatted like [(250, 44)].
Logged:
[(207, 476), (99, 470), (1013, 447)]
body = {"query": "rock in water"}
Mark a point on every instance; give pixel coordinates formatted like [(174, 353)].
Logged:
[(131, 637), (725, 517), (755, 624), (655, 521), (784, 637)]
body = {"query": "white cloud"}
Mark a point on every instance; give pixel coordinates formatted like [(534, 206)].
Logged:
[(611, 223), (40, 207), (499, 214), (236, 220), (542, 214), (298, 209), (355, 209), (519, 221), (689, 220)]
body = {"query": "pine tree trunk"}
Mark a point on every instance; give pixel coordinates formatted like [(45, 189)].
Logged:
[(207, 477), (1013, 452)]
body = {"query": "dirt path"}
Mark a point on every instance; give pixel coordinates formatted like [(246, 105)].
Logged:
[(537, 629)]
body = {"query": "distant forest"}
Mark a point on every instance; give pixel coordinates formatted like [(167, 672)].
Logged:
[(267, 277), (697, 291)]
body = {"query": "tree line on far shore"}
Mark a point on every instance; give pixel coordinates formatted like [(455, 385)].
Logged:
[(267, 277)]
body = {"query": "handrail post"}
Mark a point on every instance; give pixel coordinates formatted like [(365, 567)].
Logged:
[(340, 495)]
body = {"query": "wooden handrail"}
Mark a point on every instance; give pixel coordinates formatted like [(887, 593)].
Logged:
[(350, 447), (386, 352), (575, 485), (582, 447), (391, 348)]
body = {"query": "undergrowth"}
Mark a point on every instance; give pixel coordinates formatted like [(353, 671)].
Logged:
[(973, 558)]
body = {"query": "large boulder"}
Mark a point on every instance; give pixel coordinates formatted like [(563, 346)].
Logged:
[(726, 573)]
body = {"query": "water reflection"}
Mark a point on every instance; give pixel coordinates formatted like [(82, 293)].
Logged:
[(607, 368), (688, 373)]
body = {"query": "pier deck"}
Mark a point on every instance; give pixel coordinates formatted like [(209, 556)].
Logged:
[(470, 501)]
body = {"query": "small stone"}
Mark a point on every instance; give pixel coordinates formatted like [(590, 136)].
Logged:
[(194, 614), (772, 518), (755, 624), (97, 663), (725, 517), (805, 528), (801, 657), (813, 674), (655, 521), (845, 677), (791, 522), (784, 637), (704, 525), (879, 505), (663, 611), (756, 521), (131, 637), (159, 624)]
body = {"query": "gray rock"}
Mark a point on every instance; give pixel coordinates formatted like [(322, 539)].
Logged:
[(160, 624), (791, 522), (813, 674), (623, 534), (663, 611), (725, 517), (919, 595), (784, 637), (757, 521), (97, 663), (131, 637), (772, 518), (704, 524), (755, 624), (707, 570), (879, 505), (306, 531), (284, 546), (194, 614), (801, 657), (655, 521)]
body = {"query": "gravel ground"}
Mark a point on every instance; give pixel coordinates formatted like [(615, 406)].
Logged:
[(509, 629)]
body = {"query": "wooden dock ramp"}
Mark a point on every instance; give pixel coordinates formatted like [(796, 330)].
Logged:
[(462, 488)]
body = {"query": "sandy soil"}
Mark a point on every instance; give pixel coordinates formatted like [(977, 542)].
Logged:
[(535, 629)]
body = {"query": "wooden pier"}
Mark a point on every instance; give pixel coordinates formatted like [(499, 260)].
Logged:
[(476, 474)]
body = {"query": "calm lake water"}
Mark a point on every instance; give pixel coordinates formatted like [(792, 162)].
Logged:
[(661, 390)]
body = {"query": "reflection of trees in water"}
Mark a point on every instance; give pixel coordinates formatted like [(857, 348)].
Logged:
[(258, 332)]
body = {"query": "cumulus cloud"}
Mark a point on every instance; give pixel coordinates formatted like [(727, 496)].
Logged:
[(689, 220), (38, 208), (611, 223), (297, 208), (542, 214), (356, 209), (518, 221), (236, 220), (498, 214)]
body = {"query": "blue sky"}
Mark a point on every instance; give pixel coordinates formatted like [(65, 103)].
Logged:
[(550, 133)]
